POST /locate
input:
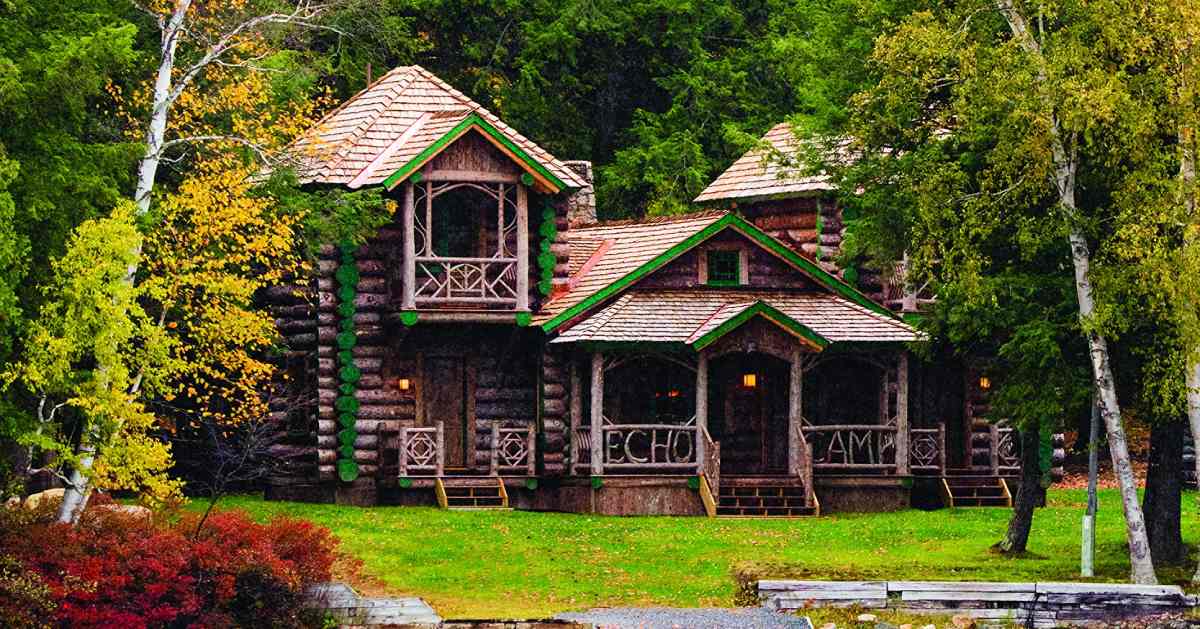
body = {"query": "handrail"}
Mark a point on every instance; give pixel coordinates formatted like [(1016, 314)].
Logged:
[(440, 490), (706, 497), (422, 449), (513, 449), (710, 467)]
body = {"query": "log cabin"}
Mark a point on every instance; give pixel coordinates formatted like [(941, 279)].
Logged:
[(495, 345)]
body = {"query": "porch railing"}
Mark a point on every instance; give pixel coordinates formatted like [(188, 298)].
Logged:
[(466, 280), (927, 449), (421, 451), (513, 450), (1006, 450), (648, 447), (852, 447), (710, 467), (581, 440)]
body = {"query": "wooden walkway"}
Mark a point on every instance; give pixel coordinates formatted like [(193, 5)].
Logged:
[(1036, 604)]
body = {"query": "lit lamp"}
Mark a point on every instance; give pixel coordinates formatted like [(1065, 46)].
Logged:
[(749, 380), (985, 383), (404, 384)]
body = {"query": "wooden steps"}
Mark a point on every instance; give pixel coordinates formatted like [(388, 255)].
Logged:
[(762, 497), (976, 491), (467, 493)]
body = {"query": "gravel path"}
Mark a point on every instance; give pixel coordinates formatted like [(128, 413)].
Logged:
[(694, 618)]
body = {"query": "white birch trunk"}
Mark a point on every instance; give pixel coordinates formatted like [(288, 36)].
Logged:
[(1065, 164), (1187, 181), (76, 493)]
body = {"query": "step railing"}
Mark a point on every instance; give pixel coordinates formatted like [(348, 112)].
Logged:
[(513, 450), (422, 451)]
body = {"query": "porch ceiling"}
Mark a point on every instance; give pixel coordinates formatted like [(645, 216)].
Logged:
[(697, 318)]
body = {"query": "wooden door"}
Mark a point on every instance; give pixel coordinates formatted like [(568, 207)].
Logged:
[(446, 400)]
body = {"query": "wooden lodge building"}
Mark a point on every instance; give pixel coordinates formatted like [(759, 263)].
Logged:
[(495, 345)]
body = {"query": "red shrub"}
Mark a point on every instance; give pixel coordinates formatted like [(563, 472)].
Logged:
[(120, 570)]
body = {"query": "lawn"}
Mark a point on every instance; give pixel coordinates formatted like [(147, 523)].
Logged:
[(526, 565)]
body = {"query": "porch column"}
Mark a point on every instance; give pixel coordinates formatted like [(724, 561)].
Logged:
[(902, 467), (408, 300), (522, 248), (597, 413), (795, 434), (576, 412), (701, 408)]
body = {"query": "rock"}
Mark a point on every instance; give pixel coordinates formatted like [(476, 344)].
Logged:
[(929, 626), (907, 625), (134, 510), (828, 625), (885, 625), (33, 500), (867, 618), (962, 621)]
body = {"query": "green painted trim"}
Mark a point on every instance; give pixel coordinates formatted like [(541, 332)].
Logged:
[(770, 313), (597, 482), (409, 317), (531, 483), (527, 179), (472, 120), (524, 319), (746, 229), (416, 177), (693, 482), (404, 482)]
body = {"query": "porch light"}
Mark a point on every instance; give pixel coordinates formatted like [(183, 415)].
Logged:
[(749, 380), (985, 383), (673, 393), (404, 384)]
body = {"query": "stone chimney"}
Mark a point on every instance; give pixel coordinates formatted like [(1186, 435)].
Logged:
[(581, 206)]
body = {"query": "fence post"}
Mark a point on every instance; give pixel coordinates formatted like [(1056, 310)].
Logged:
[(403, 451), (495, 460), (441, 450), (531, 445)]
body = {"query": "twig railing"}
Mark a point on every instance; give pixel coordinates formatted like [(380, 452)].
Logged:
[(466, 280), (648, 447), (852, 447), (581, 439), (927, 449), (710, 467), (1006, 450), (422, 451), (513, 450)]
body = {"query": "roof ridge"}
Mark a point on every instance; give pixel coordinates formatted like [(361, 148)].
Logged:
[(652, 220)]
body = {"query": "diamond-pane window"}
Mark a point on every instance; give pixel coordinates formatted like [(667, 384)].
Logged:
[(724, 267)]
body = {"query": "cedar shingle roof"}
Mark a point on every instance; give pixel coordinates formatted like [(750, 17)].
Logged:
[(756, 175), (382, 128), (684, 316), (631, 244)]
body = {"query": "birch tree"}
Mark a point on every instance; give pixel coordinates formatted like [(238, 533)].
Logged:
[(205, 49), (985, 121)]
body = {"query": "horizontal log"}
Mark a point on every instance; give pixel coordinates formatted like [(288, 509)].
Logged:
[(385, 412), (505, 394), (327, 441), (366, 456), (372, 350), (366, 442), (372, 267), (327, 427), (283, 451), (371, 301), (298, 311), (326, 456), (285, 294), (554, 407), (553, 391), (366, 426)]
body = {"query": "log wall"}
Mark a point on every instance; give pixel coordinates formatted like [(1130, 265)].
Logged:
[(764, 269)]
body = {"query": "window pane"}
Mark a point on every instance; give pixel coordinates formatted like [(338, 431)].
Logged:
[(723, 267)]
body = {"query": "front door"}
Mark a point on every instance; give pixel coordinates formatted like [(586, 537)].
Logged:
[(750, 412), (446, 399)]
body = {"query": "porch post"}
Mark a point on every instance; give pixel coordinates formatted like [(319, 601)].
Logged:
[(701, 408), (522, 248), (795, 438), (408, 300), (902, 468), (576, 413), (597, 413)]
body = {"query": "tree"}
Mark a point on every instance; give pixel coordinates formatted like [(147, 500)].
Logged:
[(990, 127)]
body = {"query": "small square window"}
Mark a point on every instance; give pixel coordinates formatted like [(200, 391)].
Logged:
[(724, 268)]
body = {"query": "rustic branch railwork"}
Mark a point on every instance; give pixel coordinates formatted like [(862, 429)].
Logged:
[(651, 446), (466, 280), (512, 450), (710, 465), (927, 451), (852, 447), (1008, 450), (421, 450)]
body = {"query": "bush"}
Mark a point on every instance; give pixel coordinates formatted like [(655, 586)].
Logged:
[(117, 569)]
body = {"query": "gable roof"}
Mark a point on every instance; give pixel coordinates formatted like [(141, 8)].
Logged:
[(401, 121), (758, 175), (698, 318), (633, 250)]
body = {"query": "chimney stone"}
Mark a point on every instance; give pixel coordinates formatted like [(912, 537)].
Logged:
[(581, 205)]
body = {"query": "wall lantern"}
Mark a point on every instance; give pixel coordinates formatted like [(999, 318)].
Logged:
[(985, 383), (674, 393), (404, 384), (749, 380)]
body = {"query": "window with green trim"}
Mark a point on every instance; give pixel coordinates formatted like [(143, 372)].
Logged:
[(724, 267)]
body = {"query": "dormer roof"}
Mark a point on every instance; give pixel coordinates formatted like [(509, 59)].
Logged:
[(760, 174)]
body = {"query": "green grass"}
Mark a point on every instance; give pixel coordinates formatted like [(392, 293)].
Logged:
[(528, 565)]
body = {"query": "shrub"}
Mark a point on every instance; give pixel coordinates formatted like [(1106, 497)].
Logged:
[(117, 569)]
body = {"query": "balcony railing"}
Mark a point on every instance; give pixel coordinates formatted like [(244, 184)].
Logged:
[(466, 280)]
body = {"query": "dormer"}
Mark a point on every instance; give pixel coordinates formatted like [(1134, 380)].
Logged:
[(480, 205)]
